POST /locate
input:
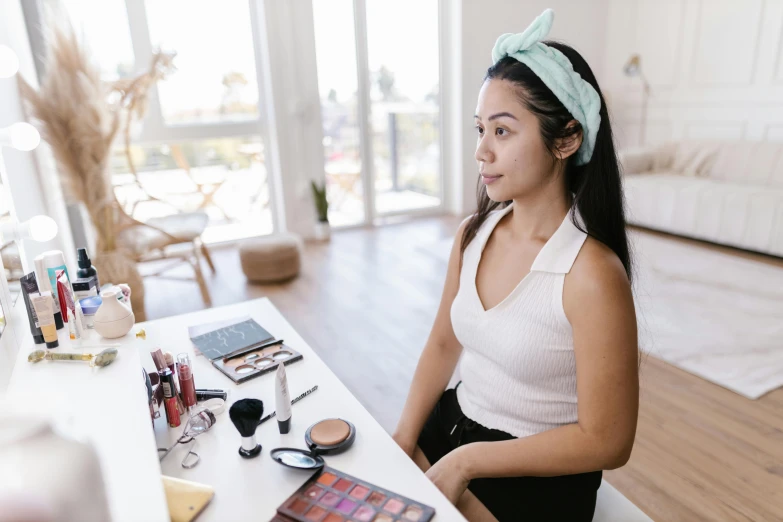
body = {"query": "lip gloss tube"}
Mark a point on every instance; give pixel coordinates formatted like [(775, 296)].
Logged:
[(169, 398), (186, 385)]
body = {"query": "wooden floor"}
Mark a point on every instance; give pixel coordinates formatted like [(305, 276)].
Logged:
[(366, 301)]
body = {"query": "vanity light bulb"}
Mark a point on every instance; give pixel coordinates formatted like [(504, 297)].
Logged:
[(24, 136), (9, 63), (42, 228)]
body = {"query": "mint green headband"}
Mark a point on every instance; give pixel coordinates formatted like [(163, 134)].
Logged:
[(557, 73)]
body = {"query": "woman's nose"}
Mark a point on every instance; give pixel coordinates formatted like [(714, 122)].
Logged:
[(483, 152)]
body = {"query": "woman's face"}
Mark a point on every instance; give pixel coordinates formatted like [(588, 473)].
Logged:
[(512, 158)]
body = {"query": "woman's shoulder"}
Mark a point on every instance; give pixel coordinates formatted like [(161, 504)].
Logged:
[(597, 263), (596, 276)]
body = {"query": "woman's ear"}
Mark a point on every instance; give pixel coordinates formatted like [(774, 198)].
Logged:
[(568, 146)]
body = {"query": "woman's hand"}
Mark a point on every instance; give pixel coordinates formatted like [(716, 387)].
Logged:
[(449, 475)]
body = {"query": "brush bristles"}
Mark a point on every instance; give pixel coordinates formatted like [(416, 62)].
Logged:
[(245, 414)]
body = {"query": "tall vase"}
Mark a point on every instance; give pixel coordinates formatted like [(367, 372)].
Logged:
[(116, 267)]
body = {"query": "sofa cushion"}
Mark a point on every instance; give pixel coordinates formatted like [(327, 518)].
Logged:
[(748, 163), (687, 158), (741, 215)]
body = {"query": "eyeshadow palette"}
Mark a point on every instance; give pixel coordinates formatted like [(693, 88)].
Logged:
[(333, 496), (257, 362)]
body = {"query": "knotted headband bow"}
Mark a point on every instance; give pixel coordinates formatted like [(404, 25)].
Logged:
[(557, 73)]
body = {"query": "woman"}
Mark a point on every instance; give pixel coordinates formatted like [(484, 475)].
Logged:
[(538, 297)]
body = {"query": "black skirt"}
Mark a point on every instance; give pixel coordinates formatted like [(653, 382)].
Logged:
[(518, 499)]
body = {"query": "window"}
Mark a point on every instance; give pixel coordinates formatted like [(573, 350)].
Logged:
[(199, 147)]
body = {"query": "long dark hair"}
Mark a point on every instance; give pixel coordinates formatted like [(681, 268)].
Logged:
[(597, 185)]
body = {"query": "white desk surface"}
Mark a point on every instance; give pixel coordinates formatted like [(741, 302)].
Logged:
[(253, 489), (108, 407)]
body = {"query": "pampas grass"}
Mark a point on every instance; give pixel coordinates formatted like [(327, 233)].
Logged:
[(79, 125), (79, 117)]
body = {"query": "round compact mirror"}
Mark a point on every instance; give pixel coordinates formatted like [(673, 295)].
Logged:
[(297, 458)]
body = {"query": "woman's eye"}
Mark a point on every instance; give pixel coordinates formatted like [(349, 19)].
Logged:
[(480, 130), (501, 132)]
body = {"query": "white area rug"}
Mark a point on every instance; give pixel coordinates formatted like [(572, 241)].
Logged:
[(712, 314), (715, 315)]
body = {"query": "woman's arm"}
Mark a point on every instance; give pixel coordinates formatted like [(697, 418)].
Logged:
[(437, 362), (599, 305)]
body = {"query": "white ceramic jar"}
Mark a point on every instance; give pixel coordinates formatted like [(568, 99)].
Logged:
[(113, 319)]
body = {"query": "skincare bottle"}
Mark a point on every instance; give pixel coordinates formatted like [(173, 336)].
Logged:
[(44, 309)]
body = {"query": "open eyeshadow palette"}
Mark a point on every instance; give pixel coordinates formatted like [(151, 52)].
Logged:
[(333, 496), (257, 362)]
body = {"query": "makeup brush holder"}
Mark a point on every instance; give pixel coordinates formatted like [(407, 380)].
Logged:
[(113, 319)]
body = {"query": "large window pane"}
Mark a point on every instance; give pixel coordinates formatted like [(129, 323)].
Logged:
[(337, 84), (103, 27), (225, 177), (402, 39), (215, 79)]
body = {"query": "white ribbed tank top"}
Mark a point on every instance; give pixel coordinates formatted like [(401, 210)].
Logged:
[(518, 368)]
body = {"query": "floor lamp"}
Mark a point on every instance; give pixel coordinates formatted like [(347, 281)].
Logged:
[(632, 68)]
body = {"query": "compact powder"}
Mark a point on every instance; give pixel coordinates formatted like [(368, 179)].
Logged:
[(330, 432), (332, 517), (245, 368)]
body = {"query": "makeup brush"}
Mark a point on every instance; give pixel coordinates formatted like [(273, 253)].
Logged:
[(245, 414)]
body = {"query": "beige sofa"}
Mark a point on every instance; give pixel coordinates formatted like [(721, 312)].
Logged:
[(729, 193)]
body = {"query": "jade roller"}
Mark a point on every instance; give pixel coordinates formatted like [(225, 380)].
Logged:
[(104, 358)]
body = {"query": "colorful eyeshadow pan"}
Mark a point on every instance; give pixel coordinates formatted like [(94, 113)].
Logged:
[(332, 496), (343, 485), (315, 513), (364, 514), (359, 492), (346, 506), (298, 506), (330, 499), (394, 506), (377, 499), (327, 479), (412, 513), (314, 492)]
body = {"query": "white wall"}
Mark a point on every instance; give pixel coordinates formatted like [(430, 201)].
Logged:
[(715, 69), (579, 23)]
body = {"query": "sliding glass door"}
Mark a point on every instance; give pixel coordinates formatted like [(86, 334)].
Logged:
[(379, 79)]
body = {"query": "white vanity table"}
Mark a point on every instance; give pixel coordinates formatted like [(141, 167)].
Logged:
[(110, 405)]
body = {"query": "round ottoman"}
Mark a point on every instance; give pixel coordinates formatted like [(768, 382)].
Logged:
[(271, 259)]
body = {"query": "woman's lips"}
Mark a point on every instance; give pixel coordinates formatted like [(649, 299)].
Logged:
[(486, 179)]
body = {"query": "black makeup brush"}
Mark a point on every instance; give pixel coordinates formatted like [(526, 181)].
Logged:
[(245, 414)]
